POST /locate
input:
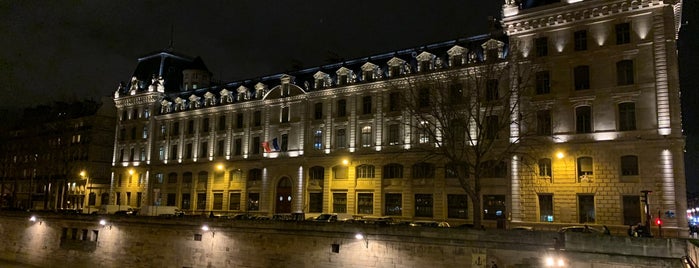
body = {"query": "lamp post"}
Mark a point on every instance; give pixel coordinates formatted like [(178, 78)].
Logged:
[(88, 185)]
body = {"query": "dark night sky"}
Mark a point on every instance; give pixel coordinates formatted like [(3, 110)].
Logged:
[(72, 50)]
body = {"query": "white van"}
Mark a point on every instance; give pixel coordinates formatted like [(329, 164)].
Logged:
[(112, 209), (160, 211)]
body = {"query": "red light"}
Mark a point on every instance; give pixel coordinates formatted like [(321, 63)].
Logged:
[(658, 221)]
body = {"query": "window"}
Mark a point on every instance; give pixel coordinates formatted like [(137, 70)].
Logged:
[(173, 152), (493, 169), (255, 175), (145, 132), (318, 111), (423, 133), (585, 169), (581, 77), (285, 115), (423, 98), (629, 165), (623, 33), (457, 206), (255, 146), (491, 127), (456, 93), (366, 105), (365, 203), (393, 205), (315, 202), (187, 177), (257, 118), (394, 102), (393, 134), (163, 130), (201, 201), (423, 205), (253, 201), (172, 178), (222, 122), (186, 201), (493, 207), (365, 171), (583, 119), (190, 127), (204, 149), (543, 122), (366, 136), (220, 147), (627, 116), (545, 207), (234, 201), (285, 142), (542, 46), (205, 125), (586, 208), (176, 129), (340, 138), (491, 90), (218, 201), (133, 133), (188, 151), (392, 171), (545, 167), (580, 40), (238, 146), (318, 139), (339, 172), (632, 209), (171, 199), (624, 72), (341, 108), (543, 83), (423, 170), (452, 170), (239, 121), (339, 202)]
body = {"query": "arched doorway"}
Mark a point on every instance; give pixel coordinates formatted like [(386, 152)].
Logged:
[(283, 196)]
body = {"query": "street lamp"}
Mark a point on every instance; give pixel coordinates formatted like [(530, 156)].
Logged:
[(88, 184)]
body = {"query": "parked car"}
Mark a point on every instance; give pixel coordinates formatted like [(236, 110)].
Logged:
[(429, 224), (582, 229), (160, 211), (326, 218), (112, 209)]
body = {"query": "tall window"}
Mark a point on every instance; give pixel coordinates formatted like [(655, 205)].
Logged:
[(423, 133), (545, 167), (632, 209), (453, 170), (583, 119), (365, 171), (423, 205), (145, 132), (239, 120), (340, 138), (176, 129), (201, 201), (392, 171), (161, 153), (173, 152), (318, 139), (423, 170), (187, 177), (493, 169), (341, 108), (394, 102), (393, 134), (218, 201), (543, 83), (491, 90), (318, 111), (623, 33), (457, 206), (188, 151), (494, 207), (204, 149), (423, 97), (238, 146), (315, 202), (253, 201), (491, 127), (393, 205), (542, 46), (585, 169), (580, 40), (339, 202), (222, 122), (586, 208), (285, 114), (624, 72), (629, 165), (220, 146), (366, 105), (366, 136), (545, 207), (255, 146), (285, 142), (627, 116), (257, 118), (543, 122), (581, 77), (365, 203), (190, 127), (205, 125), (234, 201)]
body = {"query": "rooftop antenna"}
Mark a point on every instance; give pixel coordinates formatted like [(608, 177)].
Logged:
[(172, 37)]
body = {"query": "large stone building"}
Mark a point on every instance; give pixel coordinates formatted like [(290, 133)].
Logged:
[(57, 156), (340, 138)]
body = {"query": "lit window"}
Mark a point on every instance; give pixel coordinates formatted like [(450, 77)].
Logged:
[(366, 136), (318, 140)]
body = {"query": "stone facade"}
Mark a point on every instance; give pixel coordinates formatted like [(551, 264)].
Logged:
[(329, 139)]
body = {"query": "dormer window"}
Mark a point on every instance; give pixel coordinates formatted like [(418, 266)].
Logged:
[(320, 79), (209, 99), (369, 71), (425, 61), (165, 106), (180, 104), (260, 90), (242, 93), (344, 76), (395, 67), (494, 49), (194, 102), (457, 56), (226, 96), (286, 80)]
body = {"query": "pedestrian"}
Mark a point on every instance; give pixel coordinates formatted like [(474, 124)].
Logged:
[(630, 231)]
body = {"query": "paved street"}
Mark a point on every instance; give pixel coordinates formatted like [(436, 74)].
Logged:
[(10, 264)]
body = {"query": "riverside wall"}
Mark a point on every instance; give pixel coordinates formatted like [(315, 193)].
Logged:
[(81, 241)]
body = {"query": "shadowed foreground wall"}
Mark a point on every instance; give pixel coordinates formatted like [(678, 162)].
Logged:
[(53, 241)]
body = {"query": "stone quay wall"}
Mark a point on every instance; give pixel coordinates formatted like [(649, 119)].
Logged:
[(81, 241)]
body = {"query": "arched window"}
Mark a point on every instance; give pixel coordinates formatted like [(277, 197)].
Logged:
[(187, 177), (365, 171), (340, 172), (255, 174), (423, 170), (172, 178), (392, 171), (629, 165), (493, 169)]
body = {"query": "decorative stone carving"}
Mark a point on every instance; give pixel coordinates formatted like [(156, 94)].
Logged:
[(134, 86)]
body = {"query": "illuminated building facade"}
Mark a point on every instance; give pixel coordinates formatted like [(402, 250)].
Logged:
[(330, 140)]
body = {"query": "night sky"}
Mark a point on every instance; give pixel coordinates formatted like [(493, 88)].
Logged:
[(73, 50)]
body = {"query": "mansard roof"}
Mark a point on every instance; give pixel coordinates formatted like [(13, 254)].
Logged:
[(166, 64)]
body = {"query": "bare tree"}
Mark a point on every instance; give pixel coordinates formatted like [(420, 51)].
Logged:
[(470, 118)]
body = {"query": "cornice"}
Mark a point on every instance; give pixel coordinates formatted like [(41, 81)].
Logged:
[(567, 14), (142, 98)]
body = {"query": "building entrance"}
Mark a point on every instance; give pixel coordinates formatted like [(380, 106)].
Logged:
[(283, 196)]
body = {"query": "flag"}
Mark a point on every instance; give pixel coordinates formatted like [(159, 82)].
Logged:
[(275, 145), (265, 145)]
